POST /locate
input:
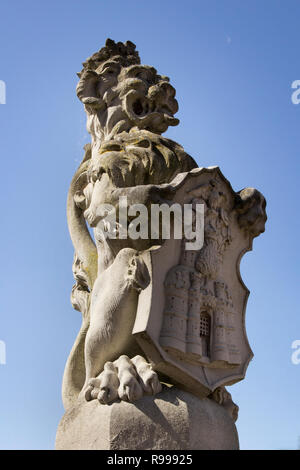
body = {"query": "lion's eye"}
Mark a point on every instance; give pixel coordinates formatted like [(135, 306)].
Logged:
[(109, 69)]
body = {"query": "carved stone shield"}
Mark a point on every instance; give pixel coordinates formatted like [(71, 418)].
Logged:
[(190, 320)]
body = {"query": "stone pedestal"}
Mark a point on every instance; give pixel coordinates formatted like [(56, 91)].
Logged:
[(172, 420)]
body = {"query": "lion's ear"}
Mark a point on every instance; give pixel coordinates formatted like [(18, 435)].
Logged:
[(87, 89)]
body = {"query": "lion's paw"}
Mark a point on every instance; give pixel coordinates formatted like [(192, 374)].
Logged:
[(126, 379), (223, 398), (105, 386), (251, 209)]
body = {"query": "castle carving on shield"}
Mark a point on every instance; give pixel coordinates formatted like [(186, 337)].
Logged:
[(199, 316)]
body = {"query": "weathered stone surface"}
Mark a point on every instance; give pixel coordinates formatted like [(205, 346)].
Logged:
[(154, 309), (173, 419)]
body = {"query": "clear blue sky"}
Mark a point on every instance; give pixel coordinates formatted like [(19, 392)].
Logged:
[(232, 63)]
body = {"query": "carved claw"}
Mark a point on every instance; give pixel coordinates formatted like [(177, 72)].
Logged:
[(130, 388), (251, 209), (92, 389), (148, 377), (105, 386)]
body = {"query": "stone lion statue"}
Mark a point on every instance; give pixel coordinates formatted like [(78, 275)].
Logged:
[(128, 107)]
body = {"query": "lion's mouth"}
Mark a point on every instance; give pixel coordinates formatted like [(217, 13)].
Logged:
[(140, 107)]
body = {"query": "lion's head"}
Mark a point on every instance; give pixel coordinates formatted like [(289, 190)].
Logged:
[(120, 94)]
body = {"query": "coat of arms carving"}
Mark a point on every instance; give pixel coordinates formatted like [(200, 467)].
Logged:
[(195, 328)]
